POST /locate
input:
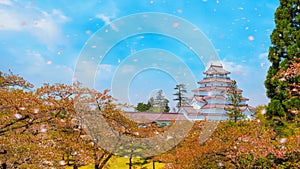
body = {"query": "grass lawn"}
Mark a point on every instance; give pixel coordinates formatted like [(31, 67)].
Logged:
[(121, 163)]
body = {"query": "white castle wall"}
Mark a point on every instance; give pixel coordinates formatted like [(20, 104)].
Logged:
[(213, 110), (216, 101)]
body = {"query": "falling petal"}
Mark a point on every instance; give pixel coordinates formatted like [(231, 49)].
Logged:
[(179, 11), (220, 164), (43, 129), (251, 38), (59, 52), (35, 111), (18, 116), (88, 32), (282, 140), (175, 25), (62, 162)]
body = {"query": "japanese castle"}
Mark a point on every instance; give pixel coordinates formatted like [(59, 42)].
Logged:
[(210, 99)]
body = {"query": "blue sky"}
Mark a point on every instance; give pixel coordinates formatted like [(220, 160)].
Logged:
[(42, 40)]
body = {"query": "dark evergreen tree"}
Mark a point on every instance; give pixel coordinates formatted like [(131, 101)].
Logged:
[(180, 92), (142, 107), (284, 54), (166, 105)]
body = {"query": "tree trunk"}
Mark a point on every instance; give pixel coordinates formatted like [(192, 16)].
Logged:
[(4, 165), (153, 164), (104, 161), (68, 159), (96, 165), (130, 162)]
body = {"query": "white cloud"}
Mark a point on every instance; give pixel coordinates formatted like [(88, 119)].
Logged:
[(46, 27), (37, 69), (236, 68), (263, 55), (232, 67), (34, 58), (109, 12), (10, 20), (264, 60), (33, 61), (105, 68), (107, 21), (59, 16), (127, 69), (5, 2), (105, 71), (104, 18)]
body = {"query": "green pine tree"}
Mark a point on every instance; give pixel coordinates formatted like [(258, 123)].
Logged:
[(284, 52), (180, 92), (166, 105), (234, 97), (142, 107)]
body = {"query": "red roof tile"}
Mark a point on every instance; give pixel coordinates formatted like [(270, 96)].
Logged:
[(211, 106), (210, 80), (221, 106), (214, 97), (190, 110), (199, 99), (209, 88)]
